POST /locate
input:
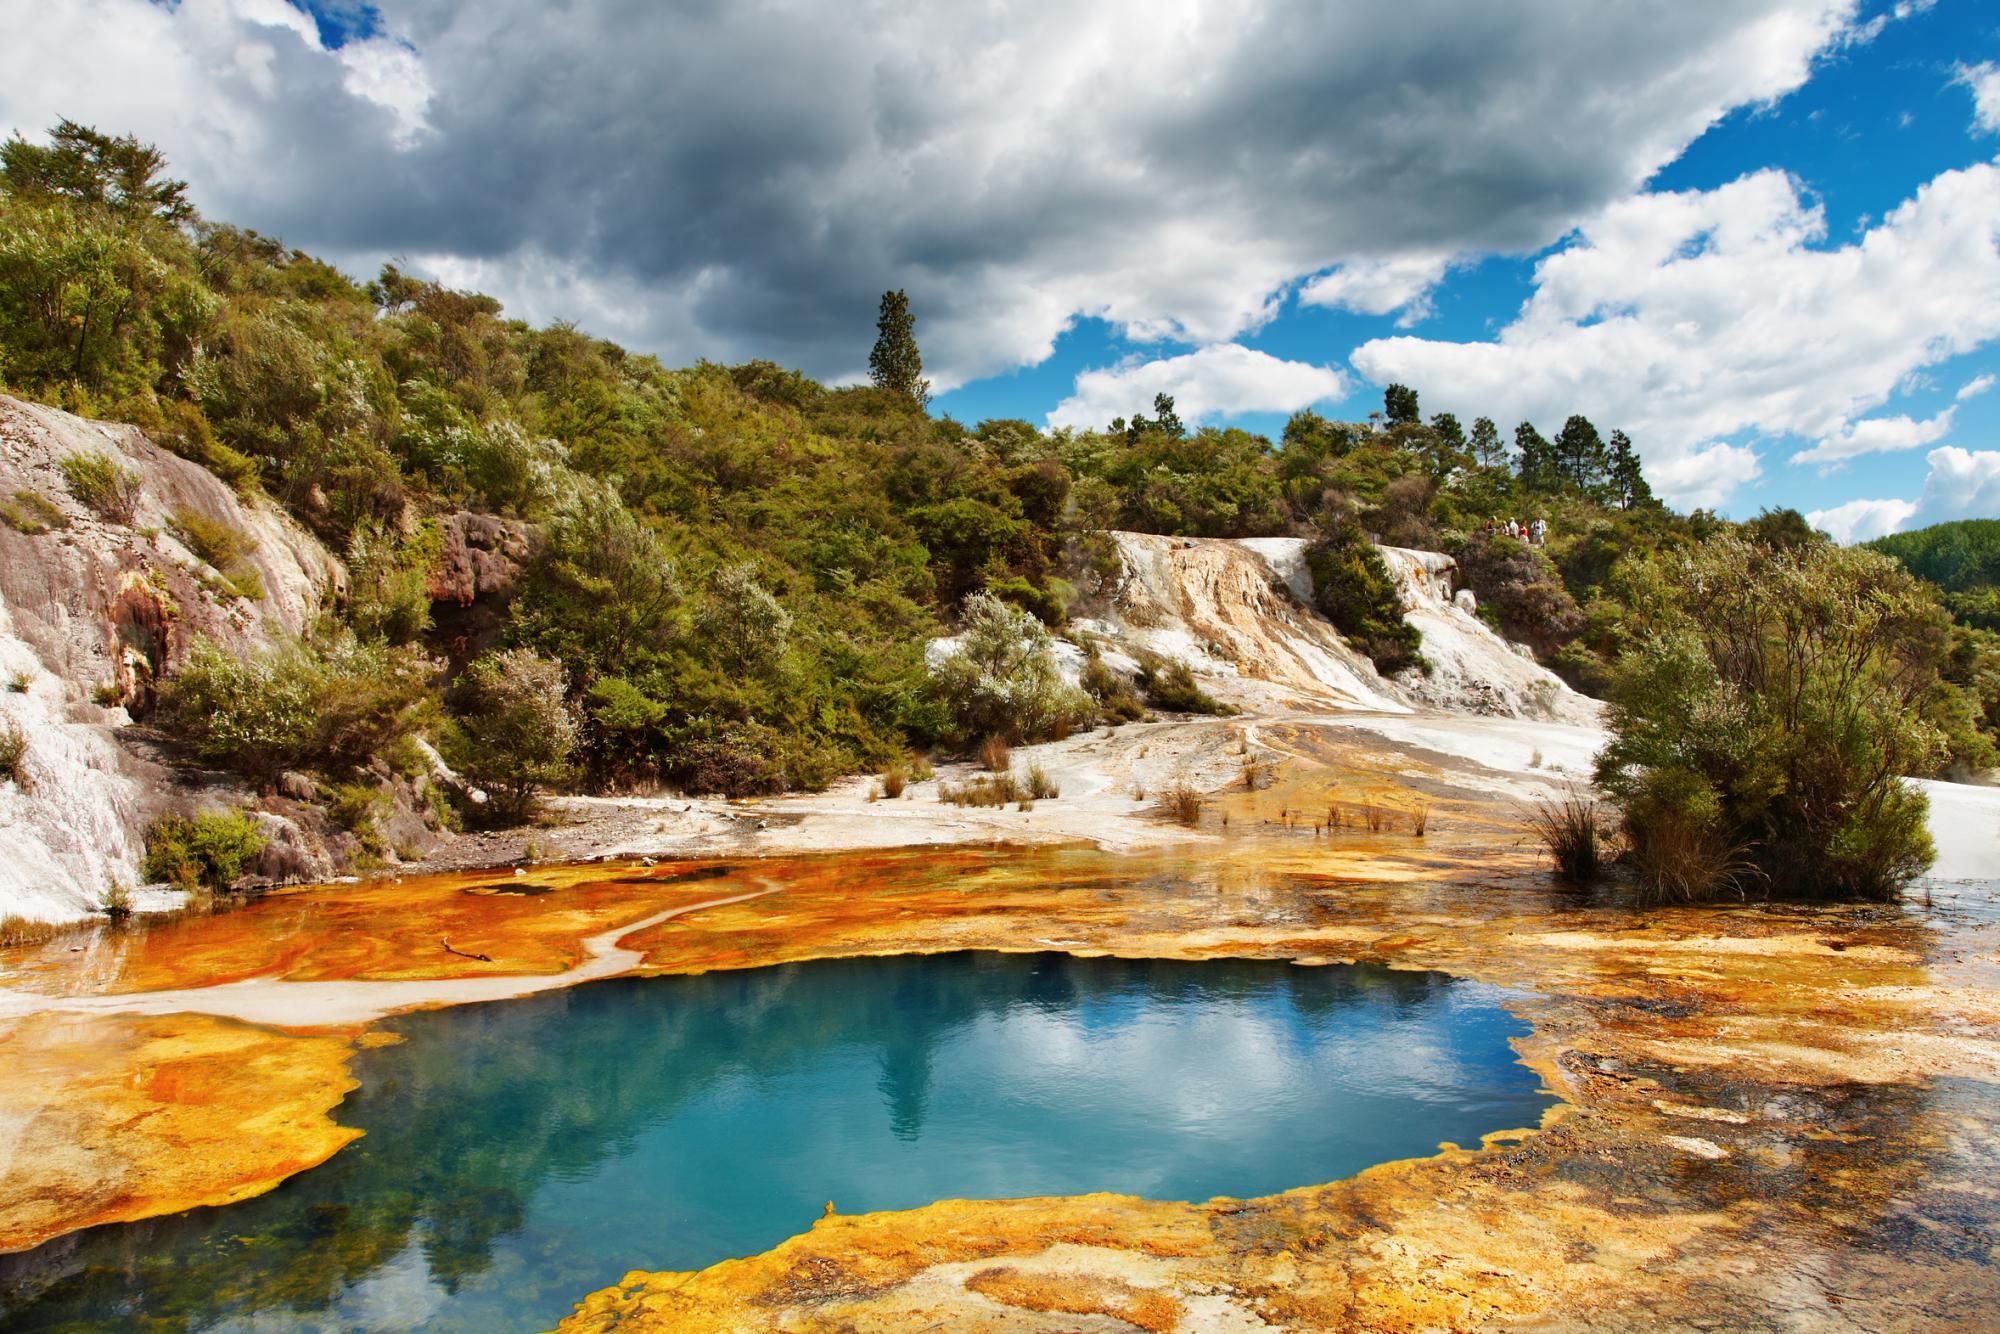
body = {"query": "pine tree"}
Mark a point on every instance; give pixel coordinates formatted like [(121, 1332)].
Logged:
[(1535, 460), (1628, 481), (1399, 404), (895, 364), (1580, 456), (80, 163), (1486, 445), (1449, 431)]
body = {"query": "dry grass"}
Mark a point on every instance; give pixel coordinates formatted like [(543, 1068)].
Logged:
[(1574, 835), (1420, 820), (894, 779), (995, 755), (1678, 862), (13, 753), (15, 931), (1040, 786), (994, 791), (1257, 773), (1183, 801), (1374, 817)]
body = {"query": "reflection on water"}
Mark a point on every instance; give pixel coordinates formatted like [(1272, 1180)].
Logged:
[(521, 1154)]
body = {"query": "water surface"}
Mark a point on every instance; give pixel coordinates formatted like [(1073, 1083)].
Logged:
[(523, 1153)]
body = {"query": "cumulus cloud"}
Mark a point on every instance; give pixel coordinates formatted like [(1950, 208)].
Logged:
[(1689, 318), (1961, 484), (1876, 435), (752, 177), (1377, 287), (1983, 81), (1221, 380)]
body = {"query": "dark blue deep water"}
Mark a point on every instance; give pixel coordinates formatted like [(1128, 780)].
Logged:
[(521, 1154)]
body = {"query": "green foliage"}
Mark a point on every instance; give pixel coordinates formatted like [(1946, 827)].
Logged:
[(1399, 405), (105, 486), (1117, 701), (1764, 718), (211, 850), (1520, 589), (222, 545), (1960, 557), (1353, 588), (894, 364), (516, 730), (1169, 684), (1002, 679), (31, 512), (388, 581), (120, 174), (331, 703)]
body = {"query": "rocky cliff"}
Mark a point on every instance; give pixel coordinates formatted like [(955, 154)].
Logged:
[(93, 613)]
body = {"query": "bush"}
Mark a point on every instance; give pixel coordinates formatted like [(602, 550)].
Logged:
[(31, 512), (208, 851), (1353, 588), (1169, 684), (1573, 834), (517, 729), (1183, 800), (13, 752), (331, 704), (109, 489), (1761, 726), (1003, 680), (224, 546), (1521, 591), (1117, 701)]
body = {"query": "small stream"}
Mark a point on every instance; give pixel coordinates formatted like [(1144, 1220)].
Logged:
[(519, 1154)]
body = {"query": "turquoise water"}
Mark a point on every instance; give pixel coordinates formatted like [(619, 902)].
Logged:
[(521, 1154)]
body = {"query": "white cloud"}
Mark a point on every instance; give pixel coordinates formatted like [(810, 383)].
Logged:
[(1961, 484), (1861, 520), (1379, 286), (1876, 435), (1705, 477), (1976, 386), (1221, 380), (1983, 80), (1689, 318), (753, 178)]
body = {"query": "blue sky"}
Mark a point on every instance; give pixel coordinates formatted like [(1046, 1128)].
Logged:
[(1873, 123), (1745, 231)]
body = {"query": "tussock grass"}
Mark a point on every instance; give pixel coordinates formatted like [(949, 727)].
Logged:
[(1183, 801), (109, 489), (1573, 834), (1679, 862), (995, 755)]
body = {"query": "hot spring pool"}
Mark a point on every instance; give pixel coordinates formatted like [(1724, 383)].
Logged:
[(521, 1154)]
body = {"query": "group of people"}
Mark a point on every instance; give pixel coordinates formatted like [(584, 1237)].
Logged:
[(1535, 531)]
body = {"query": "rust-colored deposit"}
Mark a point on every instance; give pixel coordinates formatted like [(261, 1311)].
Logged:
[(1768, 1116)]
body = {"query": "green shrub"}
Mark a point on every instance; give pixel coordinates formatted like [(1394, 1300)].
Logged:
[(208, 851), (1117, 701), (1352, 588), (222, 545), (389, 581), (1003, 679), (516, 729), (106, 487), (1169, 684), (1762, 725), (331, 703), (31, 512)]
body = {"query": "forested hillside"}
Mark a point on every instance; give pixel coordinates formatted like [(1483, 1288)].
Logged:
[(731, 572)]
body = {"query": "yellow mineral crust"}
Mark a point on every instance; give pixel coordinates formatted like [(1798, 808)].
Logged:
[(108, 1118)]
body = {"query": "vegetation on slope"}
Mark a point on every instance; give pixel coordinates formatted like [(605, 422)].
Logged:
[(739, 567)]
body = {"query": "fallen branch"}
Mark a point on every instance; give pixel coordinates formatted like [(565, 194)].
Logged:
[(483, 958)]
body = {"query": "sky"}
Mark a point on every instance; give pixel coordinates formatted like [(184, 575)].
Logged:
[(1760, 236)]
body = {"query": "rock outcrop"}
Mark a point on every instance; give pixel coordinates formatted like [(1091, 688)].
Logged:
[(93, 614)]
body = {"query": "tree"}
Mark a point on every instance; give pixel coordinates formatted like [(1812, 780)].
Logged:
[(1486, 444), (1449, 431), (1535, 460), (1580, 457), (1003, 679), (1762, 725), (1166, 419), (895, 364), (1399, 404), (1628, 481), (518, 730), (79, 163)]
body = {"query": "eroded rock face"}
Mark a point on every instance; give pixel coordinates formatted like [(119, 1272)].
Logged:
[(481, 564), (93, 615)]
